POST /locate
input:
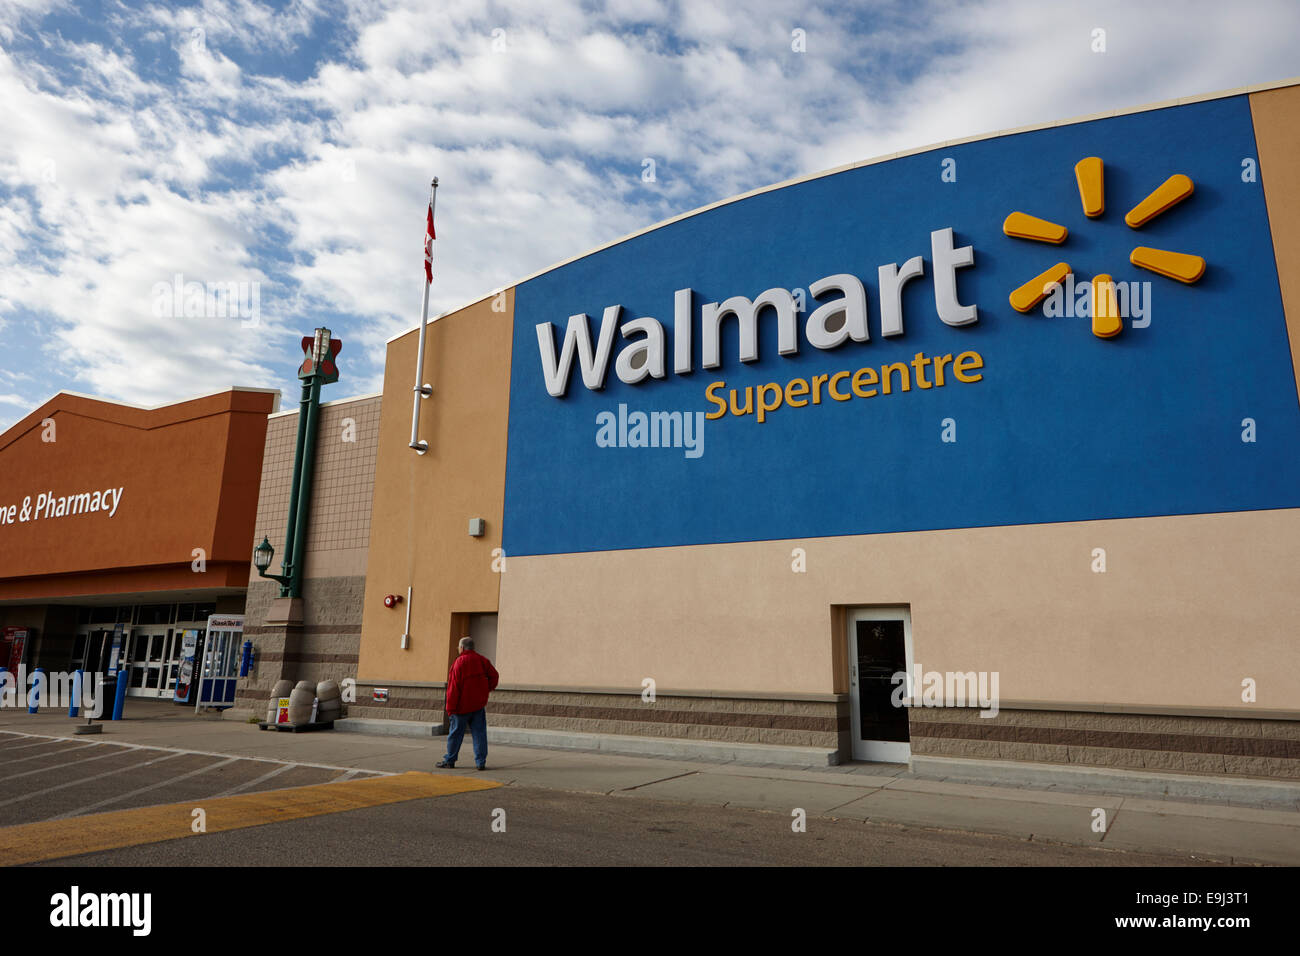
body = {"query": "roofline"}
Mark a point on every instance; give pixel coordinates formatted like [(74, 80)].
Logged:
[(337, 401), (1105, 114), (142, 408), (152, 408)]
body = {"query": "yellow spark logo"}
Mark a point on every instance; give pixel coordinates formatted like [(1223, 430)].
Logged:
[(1106, 320)]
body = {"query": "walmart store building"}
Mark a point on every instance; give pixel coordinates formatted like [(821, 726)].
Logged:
[(809, 437)]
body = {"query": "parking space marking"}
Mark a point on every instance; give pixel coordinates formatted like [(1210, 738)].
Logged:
[(262, 779), (53, 753), (153, 786), (54, 839), (61, 766), (82, 780), (39, 743), (210, 753)]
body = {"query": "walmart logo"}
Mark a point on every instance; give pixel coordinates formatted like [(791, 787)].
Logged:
[(1106, 313)]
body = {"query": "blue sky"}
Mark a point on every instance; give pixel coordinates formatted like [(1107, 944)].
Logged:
[(287, 148)]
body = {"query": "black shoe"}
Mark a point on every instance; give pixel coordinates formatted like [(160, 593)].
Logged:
[(484, 767), (443, 763)]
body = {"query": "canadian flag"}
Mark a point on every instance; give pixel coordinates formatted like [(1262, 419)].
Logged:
[(428, 247)]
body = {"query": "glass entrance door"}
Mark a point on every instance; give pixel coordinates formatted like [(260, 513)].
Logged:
[(160, 649), (81, 649), (91, 648), (148, 657), (880, 647)]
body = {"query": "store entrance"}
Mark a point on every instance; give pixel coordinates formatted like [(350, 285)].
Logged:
[(151, 661), (150, 641), (92, 648)]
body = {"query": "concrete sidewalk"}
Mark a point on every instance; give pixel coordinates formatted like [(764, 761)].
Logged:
[(888, 794)]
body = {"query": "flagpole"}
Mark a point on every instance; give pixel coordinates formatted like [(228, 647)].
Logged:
[(423, 390)]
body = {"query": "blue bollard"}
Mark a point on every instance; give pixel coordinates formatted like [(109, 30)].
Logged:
[(32, 708), (119, 699), (77, 677)]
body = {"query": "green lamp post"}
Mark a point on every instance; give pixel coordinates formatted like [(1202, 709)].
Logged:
[(318, 368)]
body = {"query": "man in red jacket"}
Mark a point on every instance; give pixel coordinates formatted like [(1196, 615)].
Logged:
[(471, 679)]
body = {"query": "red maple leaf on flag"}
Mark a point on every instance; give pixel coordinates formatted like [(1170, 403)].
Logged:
[(428, 247)]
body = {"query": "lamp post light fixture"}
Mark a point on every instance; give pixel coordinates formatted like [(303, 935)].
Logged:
[(319, 367), (262, 557)]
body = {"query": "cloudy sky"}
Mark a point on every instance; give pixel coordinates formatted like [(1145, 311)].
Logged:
[(287, 148)]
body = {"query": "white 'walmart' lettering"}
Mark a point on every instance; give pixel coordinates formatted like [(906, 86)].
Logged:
[(828, 327)]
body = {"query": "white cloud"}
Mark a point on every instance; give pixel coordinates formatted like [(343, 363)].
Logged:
[(126, 161)]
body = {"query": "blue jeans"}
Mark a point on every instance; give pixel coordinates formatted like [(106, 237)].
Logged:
[(477, 724)]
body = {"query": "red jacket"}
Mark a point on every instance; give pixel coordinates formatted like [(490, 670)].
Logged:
[(471, 679)]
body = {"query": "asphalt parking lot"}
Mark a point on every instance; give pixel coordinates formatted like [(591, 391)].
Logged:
[(85, 801), (56, 778), (549, 828)]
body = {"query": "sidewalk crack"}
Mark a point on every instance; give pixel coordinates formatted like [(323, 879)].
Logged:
[(676, 776)]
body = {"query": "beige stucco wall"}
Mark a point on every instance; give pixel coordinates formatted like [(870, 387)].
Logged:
[(1187, 608), (423, 503), (1277, 135)]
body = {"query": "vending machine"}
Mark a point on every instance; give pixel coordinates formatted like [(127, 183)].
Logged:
[(187, 678), (220, 658), (13, 644)]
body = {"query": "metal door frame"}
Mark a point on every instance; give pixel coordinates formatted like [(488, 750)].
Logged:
[(145, 632), (884, 751), (83, 631), (165, 662)]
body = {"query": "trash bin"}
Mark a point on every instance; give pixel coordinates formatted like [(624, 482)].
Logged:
[(107, 695)]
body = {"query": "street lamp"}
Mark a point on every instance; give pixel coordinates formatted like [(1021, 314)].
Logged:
[(320, 352), (262, 556)]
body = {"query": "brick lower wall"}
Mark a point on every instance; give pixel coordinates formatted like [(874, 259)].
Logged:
[(800, 723), (1203, 745)]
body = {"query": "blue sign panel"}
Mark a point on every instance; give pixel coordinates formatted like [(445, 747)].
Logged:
[(1013, 418)]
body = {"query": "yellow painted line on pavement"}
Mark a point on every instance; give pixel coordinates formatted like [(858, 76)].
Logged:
[(52, 839)]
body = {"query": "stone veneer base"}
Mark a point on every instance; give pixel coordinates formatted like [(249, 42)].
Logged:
[(1228, 746), (819, 724), (1246, 746)]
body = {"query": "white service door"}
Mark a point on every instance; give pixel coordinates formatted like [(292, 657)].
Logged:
[(880, 646)]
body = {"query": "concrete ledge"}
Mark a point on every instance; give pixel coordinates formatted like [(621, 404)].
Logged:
[(1144, 783), (379, 727), (718, 751), (704, 694)]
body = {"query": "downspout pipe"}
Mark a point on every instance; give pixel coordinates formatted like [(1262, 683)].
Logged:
[(312, 414), (290, 536)]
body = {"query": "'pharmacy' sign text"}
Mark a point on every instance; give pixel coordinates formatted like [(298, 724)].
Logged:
[(50, 505)]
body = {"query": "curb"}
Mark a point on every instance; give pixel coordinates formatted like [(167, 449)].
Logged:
[(384, 727), (1006, 773), (674, 748)]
